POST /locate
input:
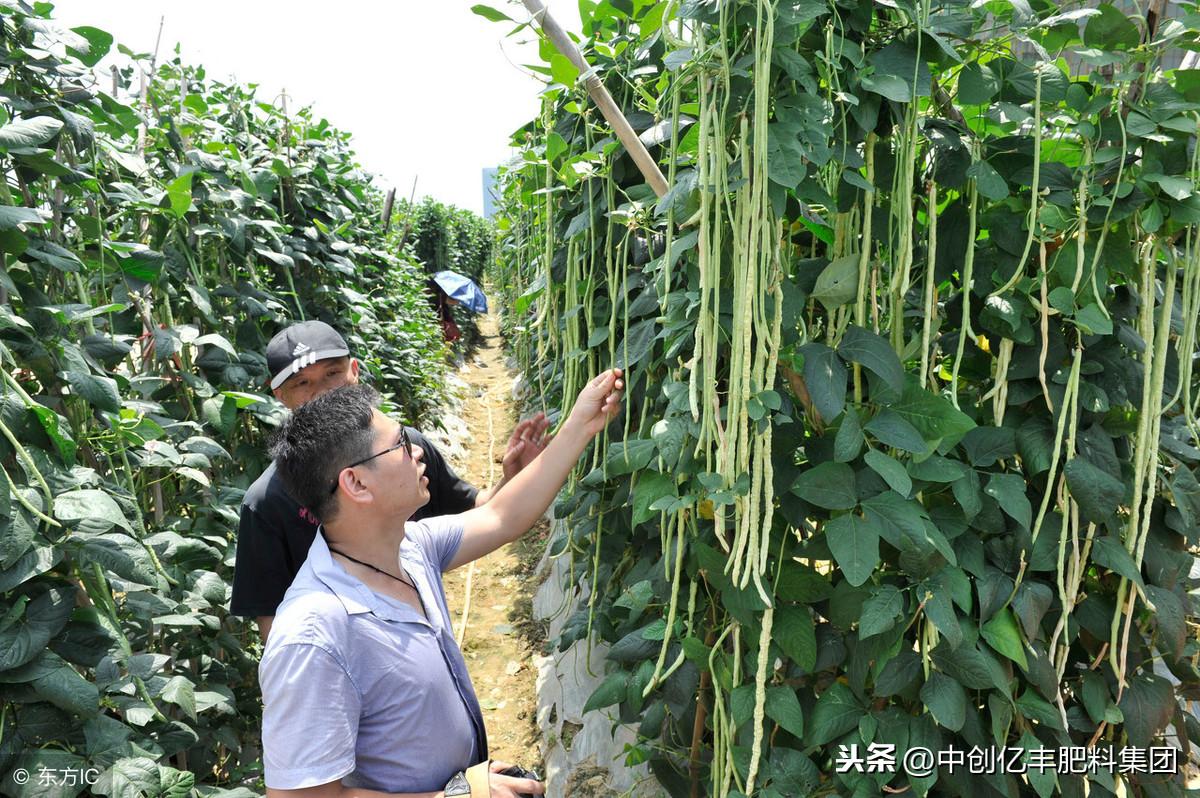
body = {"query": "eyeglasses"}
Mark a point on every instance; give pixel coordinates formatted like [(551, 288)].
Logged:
[(404, 444)]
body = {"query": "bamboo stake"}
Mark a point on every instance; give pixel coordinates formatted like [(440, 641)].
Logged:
[(604, 101), (387, 209)]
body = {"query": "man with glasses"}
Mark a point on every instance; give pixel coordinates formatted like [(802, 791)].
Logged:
[(363, 684), (275, 532)]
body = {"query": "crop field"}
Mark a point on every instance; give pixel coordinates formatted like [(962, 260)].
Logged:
[(908, 454)]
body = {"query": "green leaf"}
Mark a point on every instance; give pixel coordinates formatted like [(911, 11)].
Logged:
[(491, 14), (825, 377), (874, 353), (45, 616), (563, 71), (849, 439), (1037, 708), (985, 445), (56, 429), (891, 470), (625, 457), (1009, 491), (1111, 30), (783, 707), (1110, 553), (131, 777), (651, 486), (890, 86), (611, 691), (1098, 492), (837, 712), (179, 192), (180, 691), (13, 218), (67, 690), (1091, 320), (1147, 704), (93, 505), (854, 542), (946, 699), (795, 634), (935, 417), (175, 783), (26, 134), (1170, 618), (976, 85), (988, 181), (99, 43), (634, 348), (1002, 634), (838, 282), (892, 429), (829, 485), (101, 392), (879, 612)]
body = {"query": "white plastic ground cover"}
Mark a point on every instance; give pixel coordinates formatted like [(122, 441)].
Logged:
[(582, 752)]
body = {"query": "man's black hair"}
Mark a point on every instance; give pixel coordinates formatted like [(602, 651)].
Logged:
[(320, 439)]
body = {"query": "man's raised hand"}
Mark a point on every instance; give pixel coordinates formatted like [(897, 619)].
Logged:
[(527, 441), (598, 402)]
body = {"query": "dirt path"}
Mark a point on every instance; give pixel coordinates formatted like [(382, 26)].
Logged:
[(501, 637)]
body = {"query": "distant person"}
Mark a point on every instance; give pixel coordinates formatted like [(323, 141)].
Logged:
[(275, 533), (363, 684)]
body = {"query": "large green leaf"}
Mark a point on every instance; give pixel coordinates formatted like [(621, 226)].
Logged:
[(854, 542), (793, 632), (14, 218), (44, 617), (611, 691), (874, 353), (24, 134), (1002, 634), (67, 689), (99, 42), (1098, 492), (651, 486), (1009, 491), (825, 377), (1110, 553), (100, 391), (838, 282), (625, 457), (946, 699), (837, 711), (893, 429), (1111, 30), (829, 485), (93, 506), (783, 708), (1147, 704), (935, 417), (880, 611), (890, 469)]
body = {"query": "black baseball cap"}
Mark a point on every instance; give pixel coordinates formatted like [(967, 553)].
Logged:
[(302, 345)]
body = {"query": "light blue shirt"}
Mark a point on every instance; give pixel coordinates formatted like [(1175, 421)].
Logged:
[(359, 687)]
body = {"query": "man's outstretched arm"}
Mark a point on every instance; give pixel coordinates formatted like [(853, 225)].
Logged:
[(520, 502)]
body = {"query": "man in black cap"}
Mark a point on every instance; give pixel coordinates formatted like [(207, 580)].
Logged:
[(275, 532)]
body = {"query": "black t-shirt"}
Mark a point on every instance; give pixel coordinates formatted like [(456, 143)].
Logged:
[(275, 532)]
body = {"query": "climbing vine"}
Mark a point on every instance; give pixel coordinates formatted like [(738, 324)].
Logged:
[(910, 446)]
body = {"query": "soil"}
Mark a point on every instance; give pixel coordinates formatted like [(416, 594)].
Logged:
[(501, 636)]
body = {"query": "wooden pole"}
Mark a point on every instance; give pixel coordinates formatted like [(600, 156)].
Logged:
[(604, 101), (387, 209)]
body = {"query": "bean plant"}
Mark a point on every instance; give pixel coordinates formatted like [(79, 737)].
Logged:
[(910, 443), (151, 242)]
